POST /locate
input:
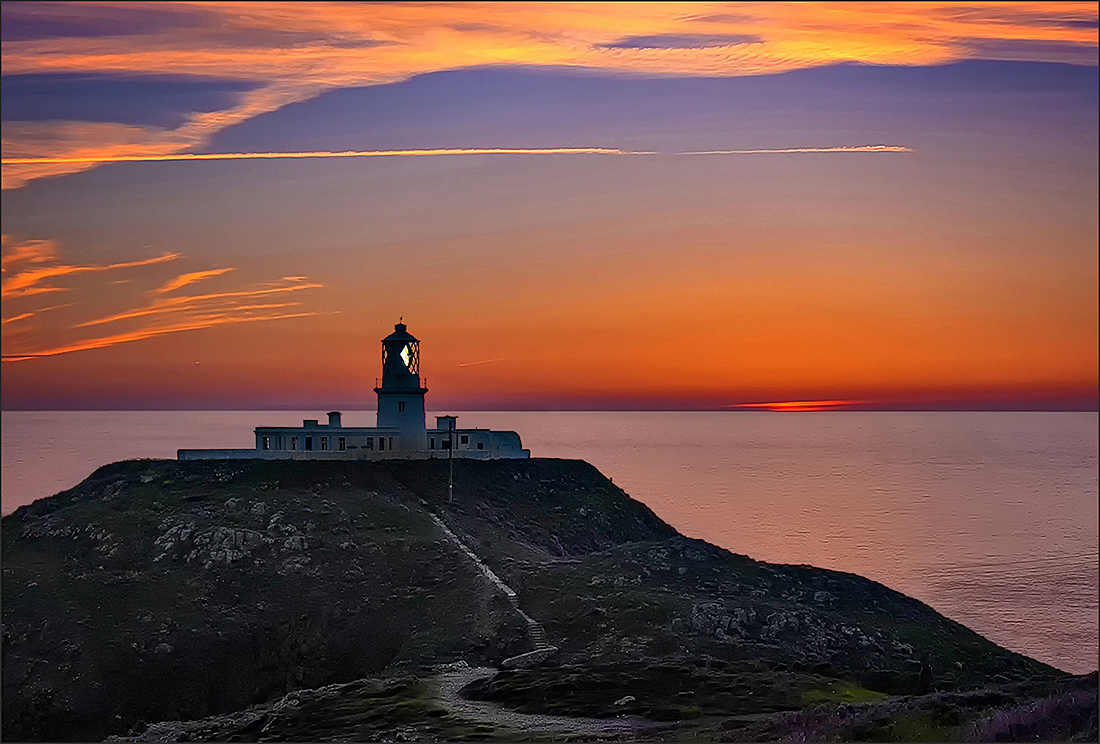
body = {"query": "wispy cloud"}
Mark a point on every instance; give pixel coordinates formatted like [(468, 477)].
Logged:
[(26, 251), (33, 150), (41, 255), (157, 311), (192, 324), (184, 279), (336, 45), (36, 313), (189, 303)]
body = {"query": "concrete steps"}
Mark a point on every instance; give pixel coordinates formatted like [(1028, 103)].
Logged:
[(534, 627)]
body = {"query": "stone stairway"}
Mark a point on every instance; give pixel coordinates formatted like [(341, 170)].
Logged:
[(534, 627), (543, 648)]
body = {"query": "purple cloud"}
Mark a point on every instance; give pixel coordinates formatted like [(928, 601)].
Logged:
[(682, 41)]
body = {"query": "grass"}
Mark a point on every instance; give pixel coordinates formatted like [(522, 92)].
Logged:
[(923, 726), (841, 691)]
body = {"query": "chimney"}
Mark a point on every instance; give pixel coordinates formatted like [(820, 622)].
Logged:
[(334, 419)]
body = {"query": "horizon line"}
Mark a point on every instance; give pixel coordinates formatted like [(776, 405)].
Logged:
[(899, 408)]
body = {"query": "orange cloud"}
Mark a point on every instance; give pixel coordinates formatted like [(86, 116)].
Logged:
[(189, 302), (33, 150), (184, 279), (206, 321), (342, 44), (25, 282), (28, 263), (27, 251), (298, 50)]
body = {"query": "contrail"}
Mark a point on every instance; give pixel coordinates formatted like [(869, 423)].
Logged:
[(858, 148), (484, 361), (319, 154), (422, 153)]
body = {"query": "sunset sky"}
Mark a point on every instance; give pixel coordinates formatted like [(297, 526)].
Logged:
[(800, 206)]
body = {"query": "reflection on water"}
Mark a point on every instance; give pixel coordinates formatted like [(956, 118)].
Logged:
[(991, 518)]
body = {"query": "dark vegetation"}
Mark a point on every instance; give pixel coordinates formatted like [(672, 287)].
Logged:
[(396, 708), (657, 690), (162, 590), (1063, 710)]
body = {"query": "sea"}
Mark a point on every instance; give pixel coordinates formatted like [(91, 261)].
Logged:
[(990, 517)]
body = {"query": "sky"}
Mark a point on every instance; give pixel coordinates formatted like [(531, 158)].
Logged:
[(788, 206)]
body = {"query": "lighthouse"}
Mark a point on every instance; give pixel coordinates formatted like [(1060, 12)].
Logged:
[(399, 434), (401, 394)]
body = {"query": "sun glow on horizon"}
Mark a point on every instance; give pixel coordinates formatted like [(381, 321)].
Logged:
[(800, 405)]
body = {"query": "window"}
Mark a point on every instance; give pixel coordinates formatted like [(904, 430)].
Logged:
[(481, 445), (370, 443), (465, 439), (294, 443), (324, 443), (400, 406), (381, 443), (309, 443), (264, 443), (446, 444), (391, 442), (431, 443), (342, 443)]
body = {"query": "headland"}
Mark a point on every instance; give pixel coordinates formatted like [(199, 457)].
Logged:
[(304, 600)]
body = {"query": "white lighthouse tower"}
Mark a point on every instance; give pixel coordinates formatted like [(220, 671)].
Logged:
[(401, 396)]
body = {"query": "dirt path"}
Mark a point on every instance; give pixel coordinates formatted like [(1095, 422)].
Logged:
[(449, 683)]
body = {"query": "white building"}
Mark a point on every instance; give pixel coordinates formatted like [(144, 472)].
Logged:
[(401, 433)]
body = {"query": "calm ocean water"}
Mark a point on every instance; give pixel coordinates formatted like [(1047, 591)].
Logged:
[(991, 518)]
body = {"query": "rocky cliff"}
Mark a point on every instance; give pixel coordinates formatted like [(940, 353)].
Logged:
[(163, 590)]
